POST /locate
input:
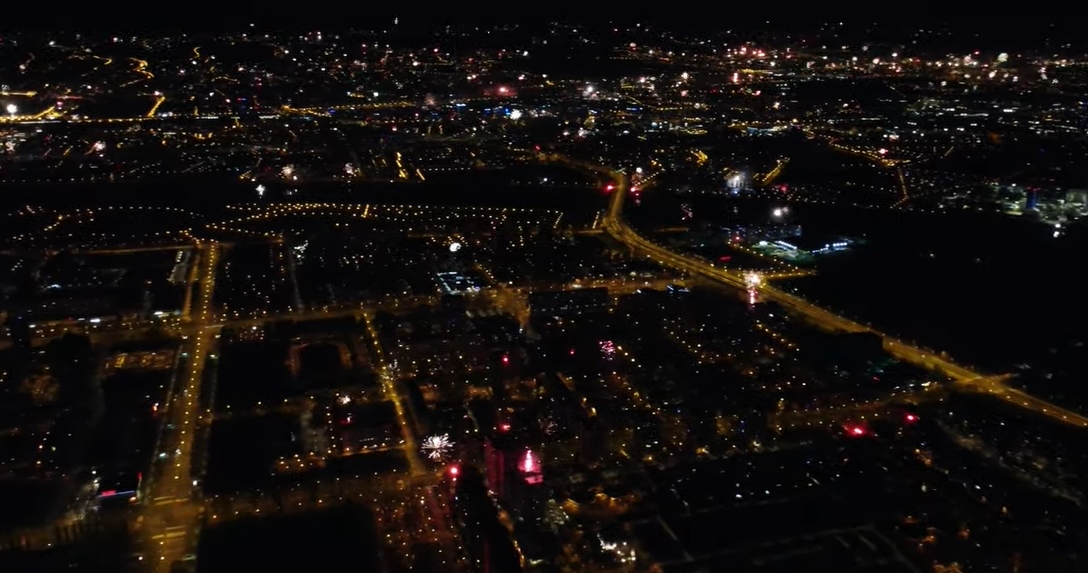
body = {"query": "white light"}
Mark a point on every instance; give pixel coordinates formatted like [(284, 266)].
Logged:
[(260, 190), (436, 447), (777, 213), (515, 114), (12, 109), (454, 247)]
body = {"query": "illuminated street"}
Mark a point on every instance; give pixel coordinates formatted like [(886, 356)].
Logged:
[(474, 293), (995, 385), (388, 383), (172, 506)]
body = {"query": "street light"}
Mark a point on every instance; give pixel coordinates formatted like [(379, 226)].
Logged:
[(12, 109)]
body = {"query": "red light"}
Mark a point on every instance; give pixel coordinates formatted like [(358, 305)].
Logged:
[(912, 418), (634, 189), (454, 470), (529, 465), (855, 431), (572, 352), (108, 493), (504, 427), (609, 187), (506, 360)]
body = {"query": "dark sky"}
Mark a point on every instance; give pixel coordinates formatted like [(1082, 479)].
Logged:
[(996, 21)]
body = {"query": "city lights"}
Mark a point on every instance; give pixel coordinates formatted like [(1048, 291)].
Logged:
[(255, 279)]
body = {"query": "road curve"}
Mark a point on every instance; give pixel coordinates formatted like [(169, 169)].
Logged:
[(965, 378)]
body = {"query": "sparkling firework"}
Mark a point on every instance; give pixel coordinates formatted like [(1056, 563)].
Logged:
[(437, 447)]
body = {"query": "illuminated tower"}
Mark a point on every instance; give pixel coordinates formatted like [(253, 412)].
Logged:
[(1032, 201), (529, 465), (525, 493)]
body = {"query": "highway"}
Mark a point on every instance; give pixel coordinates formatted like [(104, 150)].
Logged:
[(965, 378), (170, 513)]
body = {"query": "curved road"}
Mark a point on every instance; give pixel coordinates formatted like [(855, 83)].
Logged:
[(965, 378)]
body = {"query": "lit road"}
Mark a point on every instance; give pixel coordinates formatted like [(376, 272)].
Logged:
[(389, 389), (965, 378), (170, 512), (769, 177), (155, 107), (107, 335)]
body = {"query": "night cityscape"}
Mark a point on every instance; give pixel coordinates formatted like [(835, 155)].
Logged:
[(416, 294)]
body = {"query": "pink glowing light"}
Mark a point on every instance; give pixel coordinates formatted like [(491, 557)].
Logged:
[(529, 465)]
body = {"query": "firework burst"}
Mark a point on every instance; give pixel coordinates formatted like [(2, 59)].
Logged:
[(437, 447)]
